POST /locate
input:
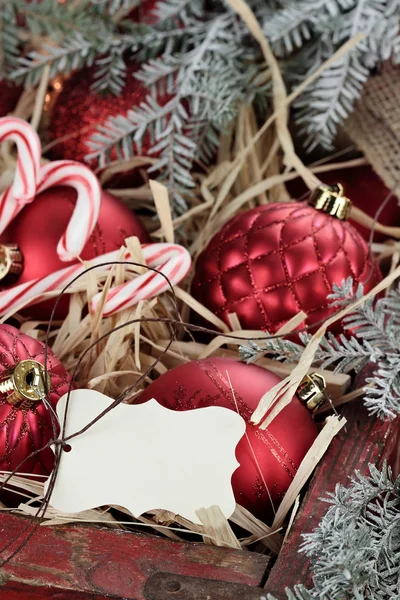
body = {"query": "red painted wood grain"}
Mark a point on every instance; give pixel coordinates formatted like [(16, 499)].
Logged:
[(116, 563)]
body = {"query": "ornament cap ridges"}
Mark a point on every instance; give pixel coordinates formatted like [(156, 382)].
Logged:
[(25, 384), (11, 263), (331, 200), (311, 391)]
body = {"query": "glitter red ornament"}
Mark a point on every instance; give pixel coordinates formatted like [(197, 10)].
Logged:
[(38, 227), (78, 110), (279, 449), (24, 430), (271, 262)]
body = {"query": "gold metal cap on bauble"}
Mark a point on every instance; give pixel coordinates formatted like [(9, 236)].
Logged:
[(330, 199), (25, 384), (11, 263), (312, 391)]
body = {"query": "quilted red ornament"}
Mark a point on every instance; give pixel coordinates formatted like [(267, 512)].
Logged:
[(39, 226), (271, 262), (26, 429), (279, 449)]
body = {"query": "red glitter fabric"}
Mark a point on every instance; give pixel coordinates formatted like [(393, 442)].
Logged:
[(268, 459), (22, 431), (275, 260), (78, 110)]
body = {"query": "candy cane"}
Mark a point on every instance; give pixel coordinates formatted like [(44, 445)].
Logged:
[(87, 207), (23, 189), (172, 260)]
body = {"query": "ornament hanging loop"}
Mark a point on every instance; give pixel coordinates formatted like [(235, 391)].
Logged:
[(25, 384), (331, 200)]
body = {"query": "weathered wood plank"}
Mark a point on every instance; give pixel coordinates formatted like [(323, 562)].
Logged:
[(21, 591), (366, 440), (117, 563)]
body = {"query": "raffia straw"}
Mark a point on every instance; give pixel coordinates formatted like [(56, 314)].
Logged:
[(40, 97), (332, 426), (217, 527), (293, 514), (200, 309), (292, 324), (362, 218), (281, 395), (161, 201), (279, 93), (270, 538)]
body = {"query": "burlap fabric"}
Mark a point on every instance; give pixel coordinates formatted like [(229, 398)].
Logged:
[(374, 126)]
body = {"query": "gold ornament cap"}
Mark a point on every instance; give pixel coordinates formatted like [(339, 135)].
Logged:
[(11, 263), (312, 391), (331, 200), (25, 384)]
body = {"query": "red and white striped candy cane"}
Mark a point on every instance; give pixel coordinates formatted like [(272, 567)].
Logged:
[(172, 260), (87, 207), (23, 189)]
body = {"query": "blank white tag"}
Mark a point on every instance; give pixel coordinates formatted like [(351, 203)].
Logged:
[(145, 457)]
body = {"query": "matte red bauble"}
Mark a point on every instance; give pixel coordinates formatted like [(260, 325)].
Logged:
[(367, 192), (279, 449), (271, 262), (26, 429), (78, 110), (38, 227)]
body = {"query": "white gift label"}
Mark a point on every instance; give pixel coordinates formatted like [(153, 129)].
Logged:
[(145, 457)]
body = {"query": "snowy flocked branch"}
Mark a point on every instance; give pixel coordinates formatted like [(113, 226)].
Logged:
[(317, 28), (355, 549), (203, 56), (372, 337), (203, 91)]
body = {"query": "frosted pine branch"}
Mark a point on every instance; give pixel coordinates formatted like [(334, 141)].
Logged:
[(212, 83), (75, 54), (374, 340), (8, 39), (355, 549)]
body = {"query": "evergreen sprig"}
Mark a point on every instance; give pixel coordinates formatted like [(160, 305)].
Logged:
[(355, 549), (203, 90), (202, 56)]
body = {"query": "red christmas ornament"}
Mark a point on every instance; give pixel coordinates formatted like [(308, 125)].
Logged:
[(271, 262), (367, 192), (38, 227), (279, 449), (26, 426), (78, 110)]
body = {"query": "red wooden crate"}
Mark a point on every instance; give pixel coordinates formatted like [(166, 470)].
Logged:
[(93, 563)]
